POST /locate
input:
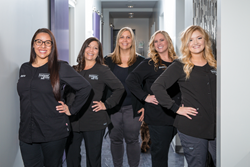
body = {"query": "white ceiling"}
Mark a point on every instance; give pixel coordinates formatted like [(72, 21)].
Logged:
[(126, 15), (141, 8), (126, 3)]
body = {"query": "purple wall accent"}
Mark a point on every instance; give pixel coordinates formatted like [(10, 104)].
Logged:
[(96, 25), (59, 21)]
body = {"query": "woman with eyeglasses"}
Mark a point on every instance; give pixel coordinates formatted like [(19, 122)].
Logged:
[(44, 124), (195, 71), (91, 122)]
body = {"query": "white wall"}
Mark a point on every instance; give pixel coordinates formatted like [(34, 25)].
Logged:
[(19, 21), (154, 19), (188, 13), (169, 8), (180, 23), (141, 31), (164, 17), (106, 33), (97, 5), (79, 29), (233, 83), (83, 24)]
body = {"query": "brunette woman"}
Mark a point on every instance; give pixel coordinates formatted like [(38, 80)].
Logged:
[(126, 116), (90, 123), (195, 72), (44, 124), (159, 120)]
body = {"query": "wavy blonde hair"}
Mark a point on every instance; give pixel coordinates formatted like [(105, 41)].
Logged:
[(153, 54), (116, 55), (186, 54)]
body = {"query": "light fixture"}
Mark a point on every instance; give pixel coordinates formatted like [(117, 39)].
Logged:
[(131, 15), (111, 25), (130, 6)]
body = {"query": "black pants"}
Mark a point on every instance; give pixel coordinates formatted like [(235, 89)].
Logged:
[(93, 145), (161, 137), (47, 154)]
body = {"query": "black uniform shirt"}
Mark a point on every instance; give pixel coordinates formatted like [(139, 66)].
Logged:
[(136, 104), (40, 121), (199, 91), (98, 76), (122, 73), (145, 73)]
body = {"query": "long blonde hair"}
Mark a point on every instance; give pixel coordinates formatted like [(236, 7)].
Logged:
[(186, 54), (153, 54), (116, 55)]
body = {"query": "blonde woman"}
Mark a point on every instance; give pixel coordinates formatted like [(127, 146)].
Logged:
[(126, 116), (196, 74), (159, 120)]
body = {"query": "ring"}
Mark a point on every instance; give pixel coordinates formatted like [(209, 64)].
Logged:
[(64, 108)]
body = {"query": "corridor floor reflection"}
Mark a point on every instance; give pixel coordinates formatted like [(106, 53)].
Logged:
[(175, 160)]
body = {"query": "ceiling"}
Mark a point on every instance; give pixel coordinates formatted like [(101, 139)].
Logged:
[(125, 4), (126, 14), (119, 8)]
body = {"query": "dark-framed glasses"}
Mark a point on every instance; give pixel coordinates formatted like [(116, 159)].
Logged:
[(39, 42)]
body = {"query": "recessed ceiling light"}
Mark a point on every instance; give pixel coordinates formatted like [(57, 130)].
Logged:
[(130, 6), (131, 15)]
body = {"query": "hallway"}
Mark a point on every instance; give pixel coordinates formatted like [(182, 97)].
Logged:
[(20, 19), (175, 160)]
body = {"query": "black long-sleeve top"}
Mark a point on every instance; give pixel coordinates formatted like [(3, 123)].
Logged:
[(136, 103), (40, 121), (122, 73), (146, 73), (98, 76), (199, 92)]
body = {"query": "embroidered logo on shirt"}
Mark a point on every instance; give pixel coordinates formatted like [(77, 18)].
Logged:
[(213, 71), (160, 67), (93, 76), (22, 76), (43, 76)]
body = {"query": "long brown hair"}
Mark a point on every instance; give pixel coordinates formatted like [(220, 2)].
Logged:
[(53, 65), (116, 55), (186, 54), (81, 59), (153, 54)]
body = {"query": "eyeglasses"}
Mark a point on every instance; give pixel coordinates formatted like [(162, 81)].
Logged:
[(39, 42)]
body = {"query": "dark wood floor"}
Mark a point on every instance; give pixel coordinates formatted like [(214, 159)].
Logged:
[(175, 160)]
